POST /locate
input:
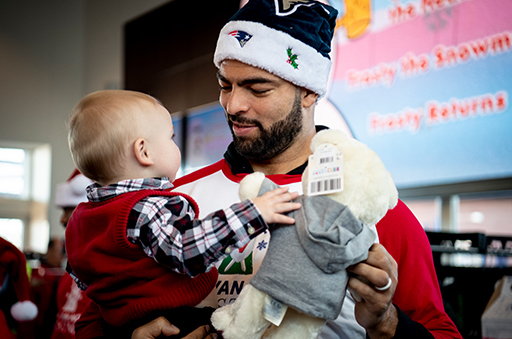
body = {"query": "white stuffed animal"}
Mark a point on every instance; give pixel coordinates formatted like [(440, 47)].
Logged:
[(302, 280)]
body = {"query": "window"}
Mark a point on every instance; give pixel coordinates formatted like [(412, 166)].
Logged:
[(25, 194), (12, 231), (483, 212), (427, 211), (488, 213), (13, 172)]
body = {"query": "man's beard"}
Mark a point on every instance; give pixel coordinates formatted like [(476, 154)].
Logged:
[(272, 141)]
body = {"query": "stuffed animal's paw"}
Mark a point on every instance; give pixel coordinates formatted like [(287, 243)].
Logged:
[(243, 319), (250, 186)]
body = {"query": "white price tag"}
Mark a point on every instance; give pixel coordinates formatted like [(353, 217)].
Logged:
[(274, 310), (325, 170)]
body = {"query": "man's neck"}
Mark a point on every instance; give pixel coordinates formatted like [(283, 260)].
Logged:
[(283, 163)]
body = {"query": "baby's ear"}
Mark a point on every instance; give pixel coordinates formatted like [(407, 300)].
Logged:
[(140, 148)]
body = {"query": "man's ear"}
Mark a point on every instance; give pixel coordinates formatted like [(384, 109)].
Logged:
[(140, 148), (308, 98)]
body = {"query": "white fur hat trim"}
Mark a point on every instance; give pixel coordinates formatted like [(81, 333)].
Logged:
[(72, 192), (267, 48)]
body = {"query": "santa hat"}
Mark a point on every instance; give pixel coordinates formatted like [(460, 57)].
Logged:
[(14, 268), (290, 39), (72, 192)]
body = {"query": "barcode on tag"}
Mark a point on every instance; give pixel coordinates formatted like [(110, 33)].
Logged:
[(325, 170), (328, 185), (326, 160)]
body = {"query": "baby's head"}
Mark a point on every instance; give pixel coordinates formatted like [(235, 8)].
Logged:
[(116, 135)]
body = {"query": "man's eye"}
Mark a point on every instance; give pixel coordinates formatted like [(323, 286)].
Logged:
[(173, 136), (259, 91), (225, 88)]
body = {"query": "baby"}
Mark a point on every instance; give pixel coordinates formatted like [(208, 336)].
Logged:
[(136, 247)]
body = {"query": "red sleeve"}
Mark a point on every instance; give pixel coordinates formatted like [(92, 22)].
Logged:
[(417, 294), (89, 324)]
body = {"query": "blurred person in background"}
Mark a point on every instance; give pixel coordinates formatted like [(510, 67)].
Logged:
[(16, 309), (70, 300), (44, 279)]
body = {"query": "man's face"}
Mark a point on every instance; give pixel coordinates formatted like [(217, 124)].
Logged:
[(264, 112), (66, 215)]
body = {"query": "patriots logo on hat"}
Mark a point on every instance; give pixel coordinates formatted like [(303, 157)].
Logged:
[(241, 36), (287, 7)]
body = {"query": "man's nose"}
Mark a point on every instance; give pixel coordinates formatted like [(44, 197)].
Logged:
[(237, 102)]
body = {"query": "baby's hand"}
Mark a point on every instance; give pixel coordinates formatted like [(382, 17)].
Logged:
[(273, 203)]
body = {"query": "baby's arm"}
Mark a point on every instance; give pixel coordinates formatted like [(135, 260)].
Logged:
[(170, 234), (273, 203)]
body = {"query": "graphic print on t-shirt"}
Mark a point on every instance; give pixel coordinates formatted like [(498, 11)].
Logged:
[(239, 261)]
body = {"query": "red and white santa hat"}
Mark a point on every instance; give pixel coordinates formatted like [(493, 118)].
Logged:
[(13, 267), (72, 192)]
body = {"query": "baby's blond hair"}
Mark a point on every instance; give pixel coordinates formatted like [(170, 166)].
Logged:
[(101, 127)]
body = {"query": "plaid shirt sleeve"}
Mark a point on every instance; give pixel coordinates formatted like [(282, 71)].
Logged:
[(169, 233), (81, 285)]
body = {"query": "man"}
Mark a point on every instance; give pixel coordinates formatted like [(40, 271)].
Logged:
[(70, 300), (44, 280), (273, 66)]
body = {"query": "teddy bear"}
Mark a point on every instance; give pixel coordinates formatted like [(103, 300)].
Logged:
[(302, 280)]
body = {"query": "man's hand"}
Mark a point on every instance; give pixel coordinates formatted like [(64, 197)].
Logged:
[(162, 326), (374, 311), (202, 332)]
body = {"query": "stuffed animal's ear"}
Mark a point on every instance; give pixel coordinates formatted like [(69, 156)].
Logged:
[(328, 136), (368, 188), (393, 194), (250, 186)]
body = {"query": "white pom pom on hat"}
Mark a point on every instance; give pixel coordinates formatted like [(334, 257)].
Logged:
[(24, 310), (13, 270)]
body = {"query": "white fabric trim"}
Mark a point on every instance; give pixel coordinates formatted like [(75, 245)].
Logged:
[(267, 49), (72, 192)]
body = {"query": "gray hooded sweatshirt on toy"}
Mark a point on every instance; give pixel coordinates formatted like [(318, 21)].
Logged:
[(305, 266)]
